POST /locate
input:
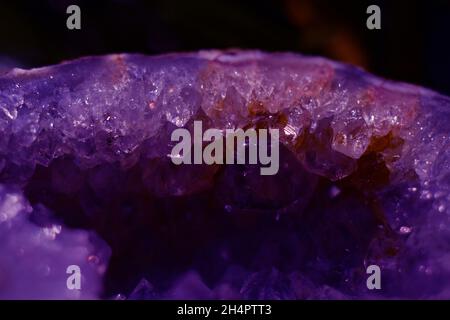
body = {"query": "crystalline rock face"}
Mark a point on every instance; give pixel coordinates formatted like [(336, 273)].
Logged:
[(85, 180)]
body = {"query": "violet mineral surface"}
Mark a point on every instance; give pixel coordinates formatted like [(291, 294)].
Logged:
[(86, 180)]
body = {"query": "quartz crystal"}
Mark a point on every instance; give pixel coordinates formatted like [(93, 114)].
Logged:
[(86, 180)]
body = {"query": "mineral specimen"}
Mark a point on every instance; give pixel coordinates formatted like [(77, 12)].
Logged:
[(35, 252), (364, 179)]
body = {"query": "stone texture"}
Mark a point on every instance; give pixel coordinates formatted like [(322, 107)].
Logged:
[(36, 251), (364, 178)]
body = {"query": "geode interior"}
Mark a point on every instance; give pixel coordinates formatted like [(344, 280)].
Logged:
[(86, 179)]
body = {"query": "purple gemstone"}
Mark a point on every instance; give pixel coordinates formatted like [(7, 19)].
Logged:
[(86, 180)]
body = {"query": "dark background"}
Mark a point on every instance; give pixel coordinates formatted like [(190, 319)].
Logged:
[(413, 44)]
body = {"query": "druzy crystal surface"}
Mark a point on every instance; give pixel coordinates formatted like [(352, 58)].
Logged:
[(86, 179)]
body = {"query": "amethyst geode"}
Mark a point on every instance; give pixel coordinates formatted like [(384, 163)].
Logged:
[(86, 179)]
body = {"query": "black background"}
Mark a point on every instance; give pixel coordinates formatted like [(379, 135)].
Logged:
[(413, 44), (280, 309)]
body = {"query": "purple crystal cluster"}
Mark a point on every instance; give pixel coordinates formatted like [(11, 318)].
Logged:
[(86, 179)]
